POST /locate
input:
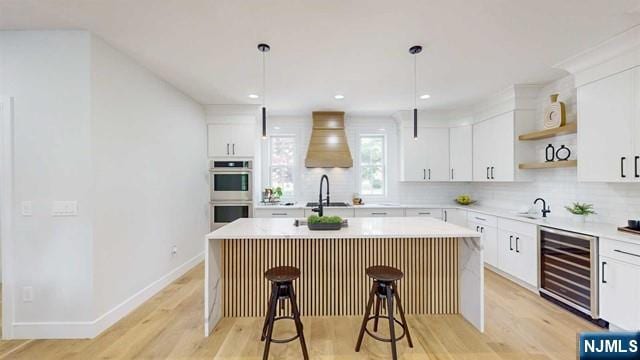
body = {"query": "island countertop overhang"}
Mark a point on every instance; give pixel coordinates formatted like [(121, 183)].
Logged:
[(387, 227)]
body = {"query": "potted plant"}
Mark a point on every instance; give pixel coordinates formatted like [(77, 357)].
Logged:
[(580, 211), (315, 222)]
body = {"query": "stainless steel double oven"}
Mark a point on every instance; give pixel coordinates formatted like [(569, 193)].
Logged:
[(231, 184)]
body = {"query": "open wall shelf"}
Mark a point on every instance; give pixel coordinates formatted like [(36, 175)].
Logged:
[(549, 165), (570, 128)]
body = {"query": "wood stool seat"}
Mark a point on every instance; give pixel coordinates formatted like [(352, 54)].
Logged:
[(282, 274), (384, 273)]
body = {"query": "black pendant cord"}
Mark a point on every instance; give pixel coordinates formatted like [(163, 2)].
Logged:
[(415, 50)]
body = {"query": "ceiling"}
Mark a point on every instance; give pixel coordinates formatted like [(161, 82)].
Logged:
[(207, 48)]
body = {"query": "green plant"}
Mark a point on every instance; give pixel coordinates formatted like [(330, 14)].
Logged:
[(315, 219), (277, 192), (580, 209)]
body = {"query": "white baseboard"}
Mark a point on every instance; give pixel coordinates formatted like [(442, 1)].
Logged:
[(91, 329)]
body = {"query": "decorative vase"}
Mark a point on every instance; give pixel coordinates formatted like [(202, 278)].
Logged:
[(563, 153), (579, 219), (549, 153), (555, 114)]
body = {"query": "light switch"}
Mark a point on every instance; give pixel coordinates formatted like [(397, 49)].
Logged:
[(27, 208), (65, 208)]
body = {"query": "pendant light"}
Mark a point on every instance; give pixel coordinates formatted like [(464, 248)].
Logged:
[(415, 50), (264, 48)]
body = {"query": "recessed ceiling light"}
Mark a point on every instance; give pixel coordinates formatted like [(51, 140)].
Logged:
[(425, 96), (339, 97), (253, 96)]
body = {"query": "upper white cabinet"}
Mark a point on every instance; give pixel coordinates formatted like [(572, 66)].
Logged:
[(461, 153), (608, 128), (231, 140), (496, 151), (425, 158)]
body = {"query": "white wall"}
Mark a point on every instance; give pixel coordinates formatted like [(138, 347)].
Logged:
[(47, 74), (150, 171), (93, 126)]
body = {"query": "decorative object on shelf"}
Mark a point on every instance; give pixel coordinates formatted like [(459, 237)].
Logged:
[(357, 200), (272, 196), (580, 211), (549, 153), (634, 224), (315, 222), (464, 200), (555, 115), (415, 50), (563, 153), (264, 48)]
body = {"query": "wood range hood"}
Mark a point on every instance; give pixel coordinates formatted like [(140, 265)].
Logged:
[(328, 146)]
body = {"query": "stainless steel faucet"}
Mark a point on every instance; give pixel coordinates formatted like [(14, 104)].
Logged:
[(545, 209), (319, 209)]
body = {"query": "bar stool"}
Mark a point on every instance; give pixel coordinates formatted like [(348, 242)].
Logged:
[(384, 290), (282, 289)]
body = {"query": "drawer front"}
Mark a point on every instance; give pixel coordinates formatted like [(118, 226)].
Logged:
[(434, 213), (382, 212), (482, 219), (620, 250), (278, 213), (519, 227), (343, 213)]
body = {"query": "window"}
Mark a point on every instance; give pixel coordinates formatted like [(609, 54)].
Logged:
[(372, 165), (281, 167)]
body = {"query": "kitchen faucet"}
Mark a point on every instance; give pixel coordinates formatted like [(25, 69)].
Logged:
[(545, 209), (319, 208)]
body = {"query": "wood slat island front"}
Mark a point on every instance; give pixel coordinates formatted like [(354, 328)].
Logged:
[(441, 263)]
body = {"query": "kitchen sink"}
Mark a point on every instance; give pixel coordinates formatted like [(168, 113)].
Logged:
[(336, 204)]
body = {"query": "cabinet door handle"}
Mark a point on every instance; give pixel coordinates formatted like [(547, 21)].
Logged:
[(233, 147), (424, 213), (378, 213), (622, 159), (482, 229), (424, 174), (517, 249), (637, 175), (279, 214), (626, 253), (510, 242), (603, 279), (487, 173), (227, 149), (445, 215), (429, 174), (477, 228), (492, 173), (481, 219), (452, 174)]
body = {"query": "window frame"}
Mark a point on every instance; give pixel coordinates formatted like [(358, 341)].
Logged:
[(385, 166), (294, 166)]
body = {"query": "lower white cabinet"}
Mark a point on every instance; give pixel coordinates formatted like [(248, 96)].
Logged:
[(518, 256), (619, 269), (379, 212), (434, 213), (490, 241), (342, 212), (455, 216), (278, 213)]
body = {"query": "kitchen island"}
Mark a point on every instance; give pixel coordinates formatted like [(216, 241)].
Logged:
[(442, 263)]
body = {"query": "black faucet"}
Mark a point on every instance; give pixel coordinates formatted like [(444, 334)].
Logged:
[(320, 206), (545, 209)]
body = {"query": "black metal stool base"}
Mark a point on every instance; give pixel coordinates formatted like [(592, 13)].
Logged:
[(281, 291), (384, 292)]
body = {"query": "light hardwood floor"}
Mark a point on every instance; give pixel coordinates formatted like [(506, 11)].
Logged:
[(519, 325)]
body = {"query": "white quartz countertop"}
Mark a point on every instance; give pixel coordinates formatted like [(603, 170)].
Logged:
[(601, 230), (390, 227)]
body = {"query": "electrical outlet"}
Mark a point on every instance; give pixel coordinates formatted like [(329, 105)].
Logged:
[(27, 294), (174, 250), (27, 208), (65, 208)]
